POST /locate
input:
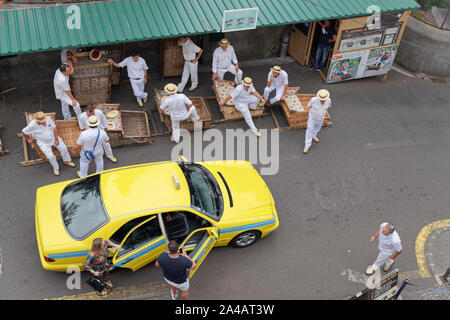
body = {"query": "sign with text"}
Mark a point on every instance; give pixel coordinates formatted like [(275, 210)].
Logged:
[(239, 19)]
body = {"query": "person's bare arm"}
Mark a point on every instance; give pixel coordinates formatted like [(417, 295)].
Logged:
[(256, 93), (199, 54), (372, 238), (145, 76), (332, 39), (194, 265), (221, 103), (397, 253), (115, 64)]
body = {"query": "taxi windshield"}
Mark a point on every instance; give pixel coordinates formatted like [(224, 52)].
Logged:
[(82, 207), (206, 196)]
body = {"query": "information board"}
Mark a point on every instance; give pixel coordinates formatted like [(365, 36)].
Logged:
[(239, 19)]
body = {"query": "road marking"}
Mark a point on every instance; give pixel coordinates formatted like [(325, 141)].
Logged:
[(395, 144), (420, 245), (146, 291)]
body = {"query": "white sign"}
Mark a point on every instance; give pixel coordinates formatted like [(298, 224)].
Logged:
[(239, 19)]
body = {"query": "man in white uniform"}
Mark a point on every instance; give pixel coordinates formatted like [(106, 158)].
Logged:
[(91, 143), (276, 80), (224, 60), (244, 97), (177, 106), (318, 109), (68, 57), (44, 131), (390, 247), (103, 124), (64, 93), (191, 54), (137, 72)]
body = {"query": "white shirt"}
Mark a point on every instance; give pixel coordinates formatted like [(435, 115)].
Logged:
[(64, 53), (317, 110), (279, 81), (61, 84), (223, 59), (390, 243), (43, 134), (82, 121), (190, 50), (240, 95), (135, 69), (87, 139), (176, 104)]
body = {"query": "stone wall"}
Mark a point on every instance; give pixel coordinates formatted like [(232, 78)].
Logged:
[(424, 48)]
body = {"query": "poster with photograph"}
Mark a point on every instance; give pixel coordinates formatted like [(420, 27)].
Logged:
[(345, 66), (379, 61)]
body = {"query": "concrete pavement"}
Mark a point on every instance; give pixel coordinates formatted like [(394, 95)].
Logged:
[(384, 159)]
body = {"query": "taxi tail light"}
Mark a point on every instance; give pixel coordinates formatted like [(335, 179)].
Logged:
[(48, 259)]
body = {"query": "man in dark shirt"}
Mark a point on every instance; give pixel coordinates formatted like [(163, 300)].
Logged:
[(175, 266), (326, 40)]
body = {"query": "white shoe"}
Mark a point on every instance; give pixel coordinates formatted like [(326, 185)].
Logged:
[(56, 172), (305, 150), (370, 270), (140, 104), (315, 139), (192, 89), (257, 133), (79, 174), (173, 297)]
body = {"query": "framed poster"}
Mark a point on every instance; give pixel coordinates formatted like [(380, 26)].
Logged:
[(239, 19), (379, 61), (345, 66)]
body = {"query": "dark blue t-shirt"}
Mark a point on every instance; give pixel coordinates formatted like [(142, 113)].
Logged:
[(174, 269), (330, 32)]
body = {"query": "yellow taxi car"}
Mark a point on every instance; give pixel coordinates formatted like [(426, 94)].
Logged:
[(142, 207)]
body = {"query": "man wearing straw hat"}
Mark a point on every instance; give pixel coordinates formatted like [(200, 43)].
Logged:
[(191, 54), (91, 110), (137, 72), (179, 107), (244, 97), (276, 80), (91, 143), (44, 131), (318, 107), (224, 60), (64, 93)]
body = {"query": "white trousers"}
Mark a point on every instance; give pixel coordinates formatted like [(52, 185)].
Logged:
[(312, 129), (279, 93), (138, 89), (244, 109), (190, 69), (108, 149), (176, 123), (84, 162), (231, 68), (383, 259), (65, 103), (47, 150)]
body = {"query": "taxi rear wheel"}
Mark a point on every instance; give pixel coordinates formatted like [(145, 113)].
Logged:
[(245, 239)]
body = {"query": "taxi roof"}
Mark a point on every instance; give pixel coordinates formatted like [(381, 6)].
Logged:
[(143, 187)]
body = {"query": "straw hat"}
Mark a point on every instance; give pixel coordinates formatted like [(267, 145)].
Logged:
[(247, 81), (95, 54), (323, 94), (276, 69), (170, 88), (224, 42), (93, 121), (39, 117)]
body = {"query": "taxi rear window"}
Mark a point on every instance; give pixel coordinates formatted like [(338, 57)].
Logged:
[(82, 207)]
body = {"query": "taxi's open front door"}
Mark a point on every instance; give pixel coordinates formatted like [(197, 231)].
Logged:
[(198, 244)]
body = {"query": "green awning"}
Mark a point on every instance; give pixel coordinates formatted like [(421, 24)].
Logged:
[(117, 21)]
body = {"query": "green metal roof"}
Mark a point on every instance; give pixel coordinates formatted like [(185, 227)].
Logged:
[(44, 28)]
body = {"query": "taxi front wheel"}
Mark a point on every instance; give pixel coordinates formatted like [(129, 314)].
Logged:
[(245, 239)]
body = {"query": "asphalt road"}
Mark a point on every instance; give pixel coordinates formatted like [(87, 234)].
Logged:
[(384, 159)]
